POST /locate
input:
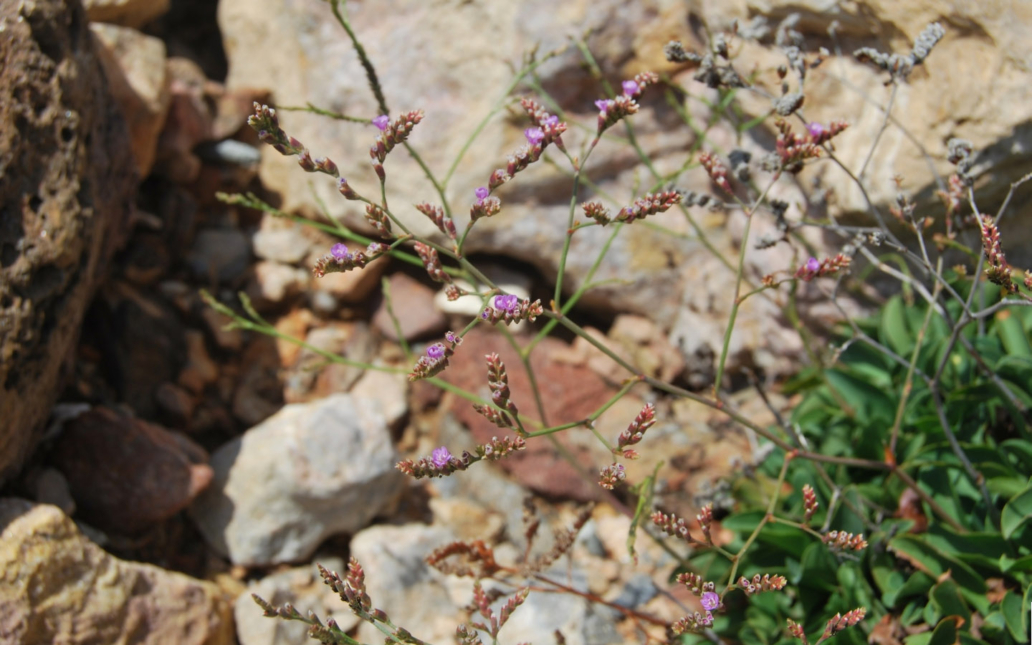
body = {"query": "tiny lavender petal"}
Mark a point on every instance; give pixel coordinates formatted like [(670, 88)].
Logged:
[(506, 302), (602, 105), (710, 600), (381, 122), (340, 251), (481, 193), (534, 135), (815, 129), (630, 88), (550, 120), (440, 457), (813, 265), (435, 351)]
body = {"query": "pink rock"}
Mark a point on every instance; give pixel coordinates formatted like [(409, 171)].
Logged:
[(126, 474)]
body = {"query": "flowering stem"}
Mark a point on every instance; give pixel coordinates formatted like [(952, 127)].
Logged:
[(771, 505), (385, 285), (737, 302)]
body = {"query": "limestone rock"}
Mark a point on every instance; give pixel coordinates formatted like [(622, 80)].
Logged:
[(135, 68), (61, 588), (412, 304), (66, 196), (308, 472)]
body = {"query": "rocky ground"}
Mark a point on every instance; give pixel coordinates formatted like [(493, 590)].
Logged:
[(161, 467)]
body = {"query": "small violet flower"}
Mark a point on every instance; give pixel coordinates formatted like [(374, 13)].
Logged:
[(481, 193), (440, 457), (813, 265), (815, 129), (710, 600), (381, 122), (630, 88), (550, 121), (435, 351), (534, 135), (506, 302), (340, 252), (602, 105)]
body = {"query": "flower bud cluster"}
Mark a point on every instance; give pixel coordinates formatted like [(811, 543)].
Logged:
[(814, 268), (436, 358), (340, 259), (791, 150), (810, 504), (760, 584), (635, 431), (692, 623), (997, 269), (796, 630), (845, 541), (611, 111), (716, 170), (611, 475), (672, 525), (714, 68), (705, 519), (498, 382), (839, 622), (510, 309), (265, 122), (694, 583), (472, 552), (431, 262), (379, 221), (393, 133), (352, 588), (436, 214), (649, 204), (550, 126), (484, 206), (597, 212), (442, 463)]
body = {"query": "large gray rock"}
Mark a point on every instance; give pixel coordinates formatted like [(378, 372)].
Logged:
[(310, 471), (66, 196), (61, 588)]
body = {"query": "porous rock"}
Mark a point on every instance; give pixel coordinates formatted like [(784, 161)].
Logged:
[(310, 471), (66, 197), (59, 587)]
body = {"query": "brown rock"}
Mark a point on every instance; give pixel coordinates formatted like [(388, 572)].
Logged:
[(200, 371), (61, 588), (135, 68), (312, 376), (126, 474), (189, 122), (259, 393), (66, 197), (129, 13), (228, 339), (413, 305), (569, 392)]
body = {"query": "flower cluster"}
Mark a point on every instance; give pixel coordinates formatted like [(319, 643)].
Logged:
[(839, 622), (597, 212), (391, 134), (715, 68), (844, 541), (814, 268), (901, 66), (378, 219), (611, 111), (635, 431), (340, 259), (692, 623), (431, 262), (710, 600), (649, 204), (705, 519), (760, 584), (792, 150), (611, 475), (484, 206), (482, 602), (437, 215), (998, 271), (548, 130), (441, 462), (498, 382), (477, 559), (510, 309), (436, 358)]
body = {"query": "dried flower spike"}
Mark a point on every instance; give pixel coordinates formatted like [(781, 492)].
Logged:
[(611, 475), (705, 519), (840, 622), (760, 584), (635, 431), (845, 541), (431, 262), (672, 525), (814, 268), (436, 215), (524, 310), (810, 504), (597, 212), (649, 204), (997, 269)]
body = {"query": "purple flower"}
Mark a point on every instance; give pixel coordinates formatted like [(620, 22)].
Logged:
[(381, 122), (506, 302), (340, 252), (481, 193), (630, 88), (451, 337), (710, 600), (440, 457), (815, 129), (435, 351), (812, 265), (602, 105), (534, 135), (549, 121)]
